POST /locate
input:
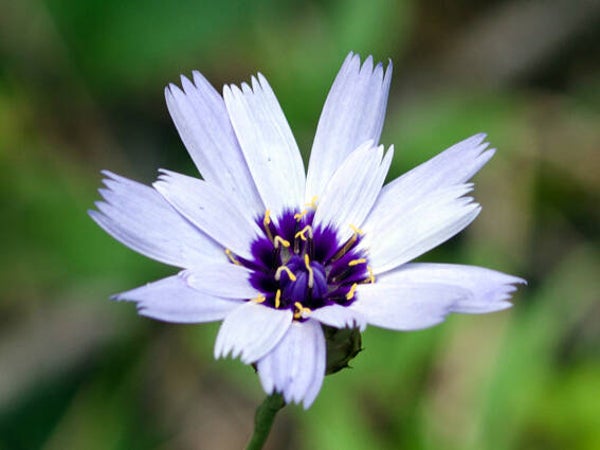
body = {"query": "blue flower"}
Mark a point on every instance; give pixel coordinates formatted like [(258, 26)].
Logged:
[(274, 253)]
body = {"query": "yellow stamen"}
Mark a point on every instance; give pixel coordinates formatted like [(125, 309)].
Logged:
[(357, 230), (300, 310), (313, 202), (302, 233), (350, 294), (279, 240), (356, 262), (285, 269), (278, 298), (300, 215), (267, 219), (311, 274), (371, 275), (231, 257), (266, 223), (259, 299), (347, 246)]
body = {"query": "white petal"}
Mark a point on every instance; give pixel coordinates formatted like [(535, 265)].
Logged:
[(296, 367), (172, 300), (223, 280), (353, 113), (454, 166), (408, 306), (267, 143), (457, 164), (339, 317), (352, 191), (201, 118), (251, 331), (211, 210), (142, 219), (402, 235), (485, 290)]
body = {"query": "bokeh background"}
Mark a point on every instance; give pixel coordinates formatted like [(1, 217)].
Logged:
[(81, 89)]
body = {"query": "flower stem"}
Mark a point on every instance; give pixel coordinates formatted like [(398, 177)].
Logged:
[(263, 420)]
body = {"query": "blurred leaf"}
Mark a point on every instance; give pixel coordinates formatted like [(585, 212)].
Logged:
[(141, 44), (526, 363)]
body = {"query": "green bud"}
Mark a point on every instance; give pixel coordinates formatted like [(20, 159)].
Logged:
[(342, 346)]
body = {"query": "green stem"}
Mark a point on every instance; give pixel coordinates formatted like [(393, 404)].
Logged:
[(263, 420)]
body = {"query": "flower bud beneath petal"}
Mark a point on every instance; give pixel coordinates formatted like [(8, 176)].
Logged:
[(342, 346)]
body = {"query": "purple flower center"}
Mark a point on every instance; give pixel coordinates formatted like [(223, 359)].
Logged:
[(298, 267)]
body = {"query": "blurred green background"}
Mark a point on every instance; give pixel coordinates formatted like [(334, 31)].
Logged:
[(81, 89)]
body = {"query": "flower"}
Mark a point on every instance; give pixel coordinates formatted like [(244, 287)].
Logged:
[(276, 254)]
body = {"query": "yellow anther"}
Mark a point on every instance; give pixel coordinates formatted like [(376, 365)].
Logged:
[(267, 223), (278, 298), (313, 202), (350, 294), (300, 215), (285, 269), (300, 310), (311, 274), (267, 219), (356, 262), (231, 257), (302, 233), (371, 275), (357, 230), (279, 240), (259, 299)]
